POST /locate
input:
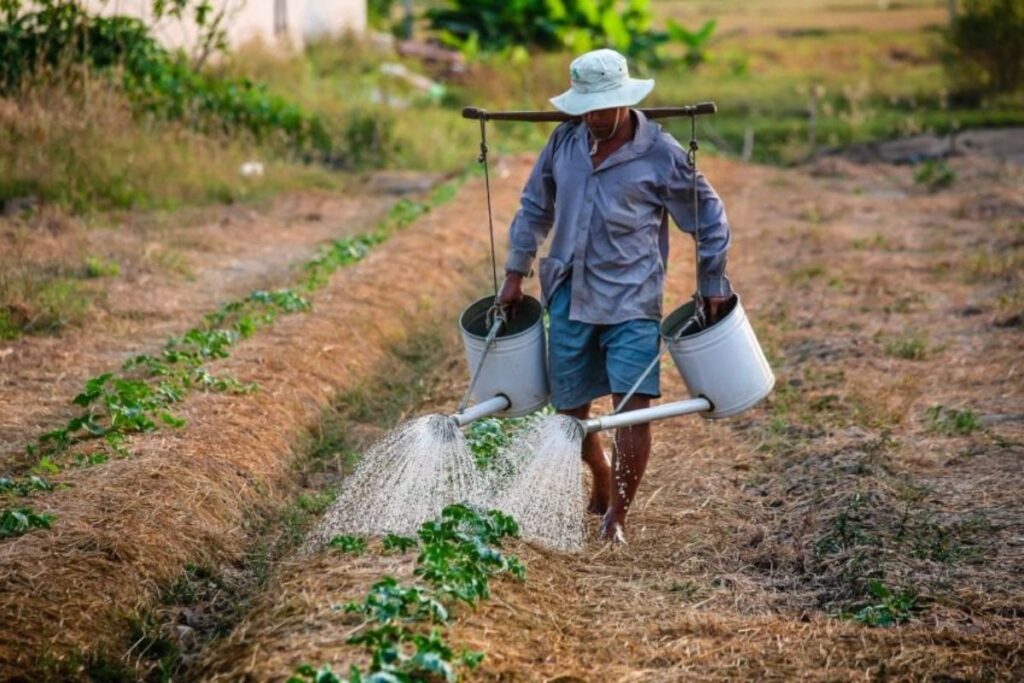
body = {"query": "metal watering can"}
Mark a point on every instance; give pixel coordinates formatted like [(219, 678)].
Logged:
[(507, 360), (722, 365)]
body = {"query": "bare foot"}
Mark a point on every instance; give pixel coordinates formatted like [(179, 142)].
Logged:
[(611, 531)]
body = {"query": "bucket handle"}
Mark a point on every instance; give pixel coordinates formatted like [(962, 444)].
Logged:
[(498, 314)]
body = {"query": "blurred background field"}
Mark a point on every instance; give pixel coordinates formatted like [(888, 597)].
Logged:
[(97, 117)]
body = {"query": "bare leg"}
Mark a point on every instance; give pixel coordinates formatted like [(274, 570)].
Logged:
[(595, 458), (632, 450)]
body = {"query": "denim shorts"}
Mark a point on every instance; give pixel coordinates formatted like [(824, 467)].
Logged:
[(587, 361)]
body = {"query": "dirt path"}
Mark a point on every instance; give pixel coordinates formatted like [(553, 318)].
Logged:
[(127, 529), (172, 275), (890, 452)]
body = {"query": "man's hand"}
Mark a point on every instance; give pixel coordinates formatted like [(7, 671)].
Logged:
[(714, 304), (511, 294)]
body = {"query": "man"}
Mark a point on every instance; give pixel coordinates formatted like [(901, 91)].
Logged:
[(604, 186)]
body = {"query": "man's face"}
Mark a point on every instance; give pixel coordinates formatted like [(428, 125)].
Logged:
[(601, 122)]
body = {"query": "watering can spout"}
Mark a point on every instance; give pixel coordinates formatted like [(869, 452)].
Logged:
[(491, 406), (635, 417)]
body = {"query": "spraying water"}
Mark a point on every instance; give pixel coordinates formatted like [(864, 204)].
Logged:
[(404, 479), (538, 480), (423, 465)]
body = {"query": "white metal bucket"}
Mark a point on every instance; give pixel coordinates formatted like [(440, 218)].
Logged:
[(723, 363), (515, 366)]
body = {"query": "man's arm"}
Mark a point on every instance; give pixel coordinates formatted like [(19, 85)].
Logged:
[(715, 234), (531, 225)]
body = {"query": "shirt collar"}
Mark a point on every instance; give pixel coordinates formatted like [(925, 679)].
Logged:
[(644, 137)]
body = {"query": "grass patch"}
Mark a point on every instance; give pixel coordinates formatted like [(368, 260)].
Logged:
[(56, 145), (36, 300), (951, 421), (96, 267), (911, 346)]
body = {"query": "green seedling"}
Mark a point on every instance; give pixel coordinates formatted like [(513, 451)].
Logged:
[(936, 174), (349, 544), (21, 520), (24, 487), (307, 674), (890, 608), (459, 553), (400, 543)]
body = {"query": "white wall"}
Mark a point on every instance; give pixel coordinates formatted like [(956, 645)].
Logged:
[(246, 20)]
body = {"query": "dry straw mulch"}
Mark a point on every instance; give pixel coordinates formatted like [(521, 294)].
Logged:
[(125, 530), (754, 541)]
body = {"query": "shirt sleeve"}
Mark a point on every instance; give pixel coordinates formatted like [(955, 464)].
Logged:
[(714, 234), (536, 214)]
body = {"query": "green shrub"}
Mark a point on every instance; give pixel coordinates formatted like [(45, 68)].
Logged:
[(987, 42), (580, 25), (60, 40)]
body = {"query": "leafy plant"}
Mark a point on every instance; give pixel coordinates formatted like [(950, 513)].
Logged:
[(24, 487), (307, 674), (935, 174), (348, 544), (488, 436), (695, 42), (21, 520), (485, 438), (402, 627), (890, 609), (457, 557), (581, 25), (338, 254), (400, 543), (59, 37)]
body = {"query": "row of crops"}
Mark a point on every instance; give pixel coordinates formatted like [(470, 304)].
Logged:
[(142, 394)]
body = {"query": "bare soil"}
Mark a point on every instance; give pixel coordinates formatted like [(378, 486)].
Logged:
[(890, 452)]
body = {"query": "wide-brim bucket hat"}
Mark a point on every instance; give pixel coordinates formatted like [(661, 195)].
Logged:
[(600, 80)]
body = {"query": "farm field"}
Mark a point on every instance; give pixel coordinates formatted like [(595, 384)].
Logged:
[(185, 386), (890, 312), (755, 540)]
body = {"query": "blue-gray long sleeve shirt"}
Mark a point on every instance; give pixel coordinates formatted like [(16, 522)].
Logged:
[(610, 224)]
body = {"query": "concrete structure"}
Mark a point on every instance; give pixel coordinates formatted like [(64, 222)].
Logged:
[(283, 23)]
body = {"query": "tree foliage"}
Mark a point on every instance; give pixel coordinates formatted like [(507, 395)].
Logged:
[(987, 38), (580, 25)]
